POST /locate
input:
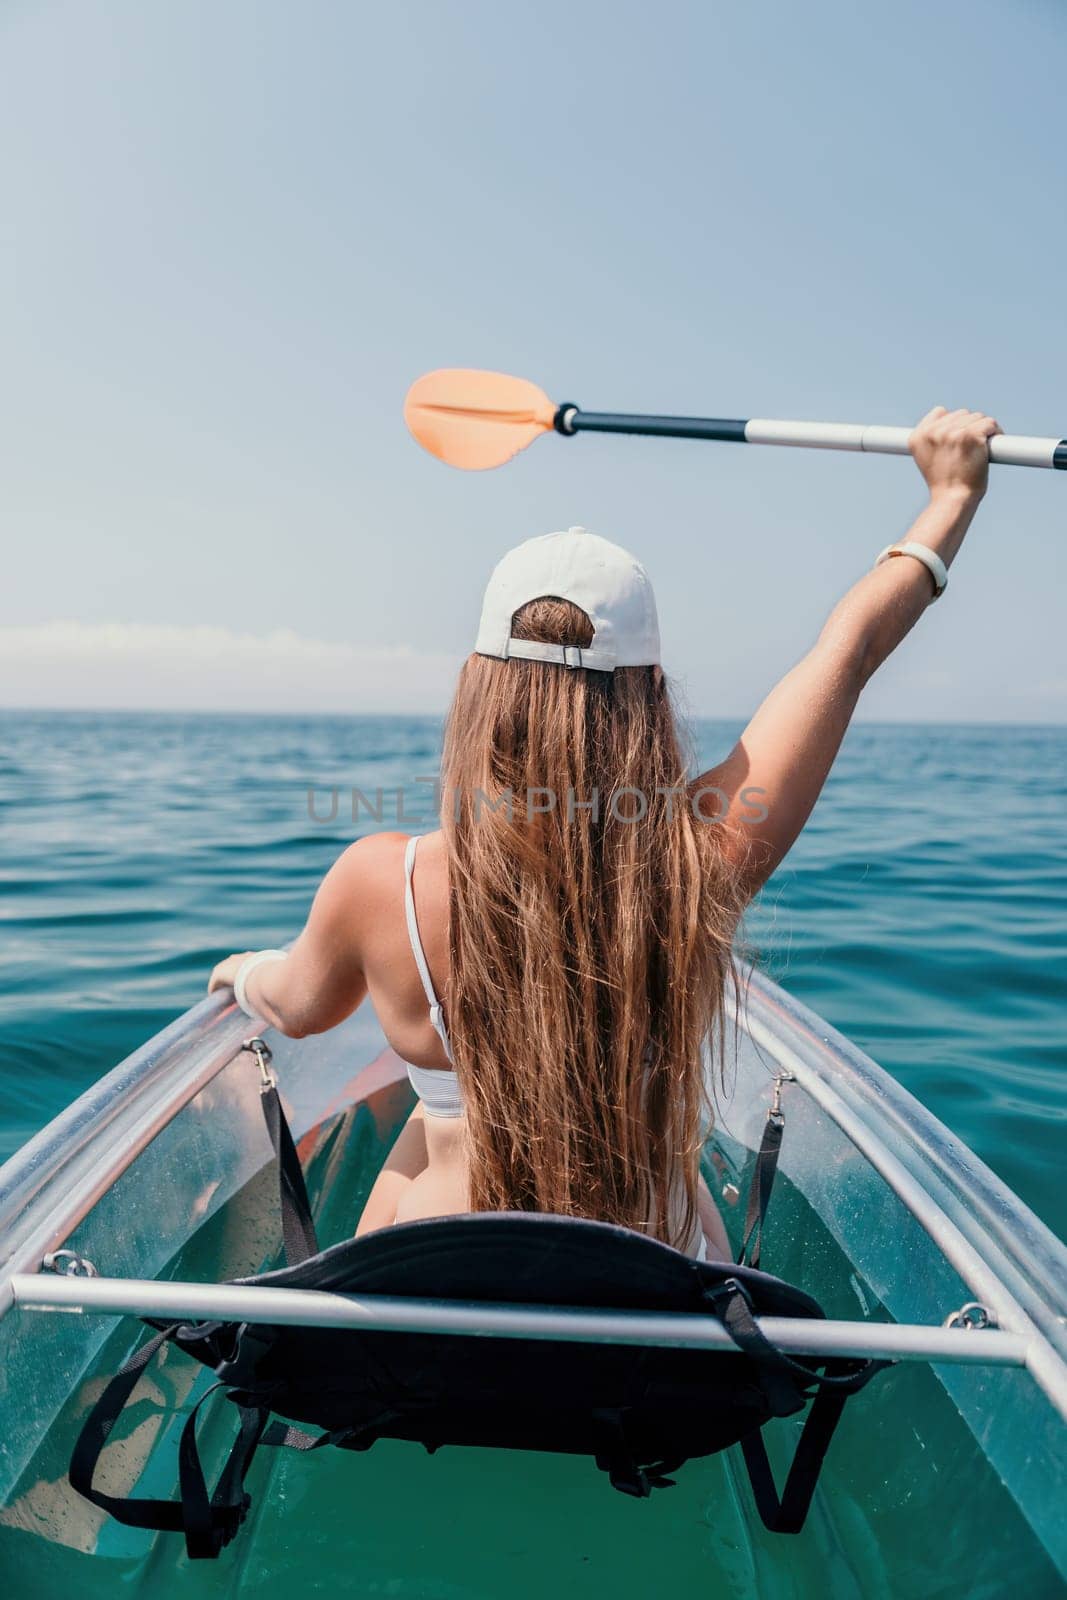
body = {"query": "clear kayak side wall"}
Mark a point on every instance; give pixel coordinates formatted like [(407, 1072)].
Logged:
[(925, 1226), (131, 1171), (1025, 1263)]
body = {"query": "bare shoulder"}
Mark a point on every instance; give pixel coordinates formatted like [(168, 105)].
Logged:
[(373, 867), (362, 871), (360, 901)]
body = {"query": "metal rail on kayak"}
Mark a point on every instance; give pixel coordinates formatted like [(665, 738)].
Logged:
[(315, 1308)]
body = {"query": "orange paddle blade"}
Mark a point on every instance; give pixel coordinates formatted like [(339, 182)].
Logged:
[(476, 419)]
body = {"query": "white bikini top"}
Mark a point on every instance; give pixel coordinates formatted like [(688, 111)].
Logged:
[(436, 1087)]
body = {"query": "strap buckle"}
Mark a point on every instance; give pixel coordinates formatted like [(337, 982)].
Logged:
[(781, 1079), (264, 1056), (720, 1294)]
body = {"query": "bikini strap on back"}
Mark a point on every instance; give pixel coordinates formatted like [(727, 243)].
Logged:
[(437, 1018)]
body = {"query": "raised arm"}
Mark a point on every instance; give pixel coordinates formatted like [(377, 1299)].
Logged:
[(768, 785)]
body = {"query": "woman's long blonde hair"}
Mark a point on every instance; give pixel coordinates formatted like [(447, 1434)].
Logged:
[(590, 944)]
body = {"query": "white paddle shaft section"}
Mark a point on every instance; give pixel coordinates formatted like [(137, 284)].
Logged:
[(315, 1308), (1005, 449)]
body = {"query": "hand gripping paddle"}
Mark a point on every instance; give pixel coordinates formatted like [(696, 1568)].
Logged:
[(478, 419)]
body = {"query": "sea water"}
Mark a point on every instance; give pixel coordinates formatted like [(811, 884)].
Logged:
[(923, 912)]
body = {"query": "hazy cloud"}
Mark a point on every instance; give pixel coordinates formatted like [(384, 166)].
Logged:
[(130, 665)]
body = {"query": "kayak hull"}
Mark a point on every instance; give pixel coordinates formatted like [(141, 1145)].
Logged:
[(164, 1171)]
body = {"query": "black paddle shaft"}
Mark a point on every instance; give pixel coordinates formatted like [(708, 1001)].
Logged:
[(569, 419)]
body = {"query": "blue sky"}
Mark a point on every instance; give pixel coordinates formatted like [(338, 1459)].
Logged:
[(231, 236)]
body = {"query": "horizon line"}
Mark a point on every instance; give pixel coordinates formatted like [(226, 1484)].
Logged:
[(353, 715)]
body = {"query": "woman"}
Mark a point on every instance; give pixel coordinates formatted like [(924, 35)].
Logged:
[(553, 967)]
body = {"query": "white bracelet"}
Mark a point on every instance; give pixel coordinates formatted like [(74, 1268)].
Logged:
[(244, 971), (929, 558)]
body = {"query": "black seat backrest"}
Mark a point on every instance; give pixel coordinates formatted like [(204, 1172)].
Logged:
[(513, 1392), (528, 1258)]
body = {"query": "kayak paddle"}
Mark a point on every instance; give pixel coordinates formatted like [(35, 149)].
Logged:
[(478, 419)]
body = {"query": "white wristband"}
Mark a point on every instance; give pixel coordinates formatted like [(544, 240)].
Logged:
[(247, 967), (929, 558)]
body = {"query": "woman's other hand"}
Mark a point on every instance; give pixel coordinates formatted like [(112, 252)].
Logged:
[(951, 450), (223, 975)]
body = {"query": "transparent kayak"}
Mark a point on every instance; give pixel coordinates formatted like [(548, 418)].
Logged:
[(946, 1477)]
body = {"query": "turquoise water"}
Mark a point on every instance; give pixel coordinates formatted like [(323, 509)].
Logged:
[(924, 911)]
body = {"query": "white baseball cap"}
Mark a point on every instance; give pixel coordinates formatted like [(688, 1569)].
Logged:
[(609, 585)]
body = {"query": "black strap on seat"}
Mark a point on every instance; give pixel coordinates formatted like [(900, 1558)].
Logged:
[(759, 1192), (298, 1227), (788, 1514), (283, 1434), (208, 1522), (615, 1456), (785, 1383), (733, 1309)]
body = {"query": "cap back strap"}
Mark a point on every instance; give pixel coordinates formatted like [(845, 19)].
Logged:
[(563, 655)]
